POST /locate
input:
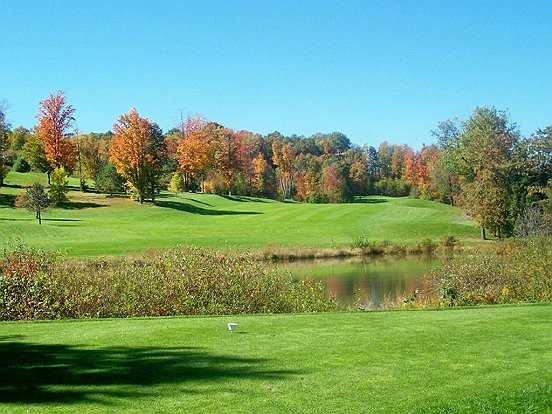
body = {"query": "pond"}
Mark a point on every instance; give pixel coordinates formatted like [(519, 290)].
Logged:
[(365, 282)]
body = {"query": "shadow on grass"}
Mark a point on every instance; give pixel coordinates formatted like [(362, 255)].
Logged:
[(58, 373), (244, 199), (7, 200), (33, 219), (199, 210), (60, 219), (12, 185), (197, 201), (370, 200), (78, 205)]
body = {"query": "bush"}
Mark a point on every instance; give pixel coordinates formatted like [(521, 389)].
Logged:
[(317, 198), (518, 272), (392, 187), (534, 221), (20, 165), (38, 285), (449, 243), (177, 183), (58, 187)]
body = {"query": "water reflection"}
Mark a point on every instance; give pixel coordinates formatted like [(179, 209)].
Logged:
[(369, 282)]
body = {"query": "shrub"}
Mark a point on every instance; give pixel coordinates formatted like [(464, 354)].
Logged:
[(36, 285), (449, 243), (20, 165), (523, 274), (534, 221), (58, 187), (317, 198), (177, 183), (392, 187)]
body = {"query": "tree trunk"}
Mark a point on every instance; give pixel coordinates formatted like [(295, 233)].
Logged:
[(39, 217), (483, 235), (48, 173)]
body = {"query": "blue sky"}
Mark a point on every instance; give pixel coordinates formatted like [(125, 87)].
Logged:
[(372, 69)]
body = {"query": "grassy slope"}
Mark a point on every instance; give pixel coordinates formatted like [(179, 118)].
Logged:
[(96, 225), (494, 359)]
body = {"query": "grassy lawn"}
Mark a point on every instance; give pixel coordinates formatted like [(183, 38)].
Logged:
[(94, 224), (494, 359)]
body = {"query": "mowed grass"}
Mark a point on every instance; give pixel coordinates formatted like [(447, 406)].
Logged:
[(93, 224), (484, 360)]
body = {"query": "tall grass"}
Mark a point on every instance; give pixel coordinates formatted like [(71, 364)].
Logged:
[(516, 271), (35, 284)]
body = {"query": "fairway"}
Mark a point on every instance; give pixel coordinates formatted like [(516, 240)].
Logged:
[(94, 224), (466, 360)]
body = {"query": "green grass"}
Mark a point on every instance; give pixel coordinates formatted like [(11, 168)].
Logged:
[(94, 224), (484, 360)]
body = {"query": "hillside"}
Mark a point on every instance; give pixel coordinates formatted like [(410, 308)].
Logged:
[(94, 224)]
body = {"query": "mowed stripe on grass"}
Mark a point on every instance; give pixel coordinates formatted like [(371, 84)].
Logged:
[(493, 359), (93, 224)]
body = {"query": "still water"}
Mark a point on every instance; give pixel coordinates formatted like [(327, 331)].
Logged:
[(365, 282)]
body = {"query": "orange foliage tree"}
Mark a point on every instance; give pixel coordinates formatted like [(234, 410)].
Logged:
[(196, 149), (418, 169), (134, 152), (55, 119), (260, 169)]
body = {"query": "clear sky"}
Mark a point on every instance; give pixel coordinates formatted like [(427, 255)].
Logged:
[(372, 69)]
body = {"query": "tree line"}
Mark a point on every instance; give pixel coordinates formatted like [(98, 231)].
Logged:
[(483, 164)]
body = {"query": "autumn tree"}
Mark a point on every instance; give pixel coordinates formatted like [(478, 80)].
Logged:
[(3, 146), (135, 152), (55, 120), (227, 159), (195, 152), (332, 184), (93, 154), (260, 168), (283, 158)]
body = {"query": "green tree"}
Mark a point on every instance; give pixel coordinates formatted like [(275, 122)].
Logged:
[(33, 152), (58, 187), (34, 199), (18, 137), (108, 181), (483, 155)]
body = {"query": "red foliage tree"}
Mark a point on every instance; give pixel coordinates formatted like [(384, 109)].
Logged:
[(55, 119)]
